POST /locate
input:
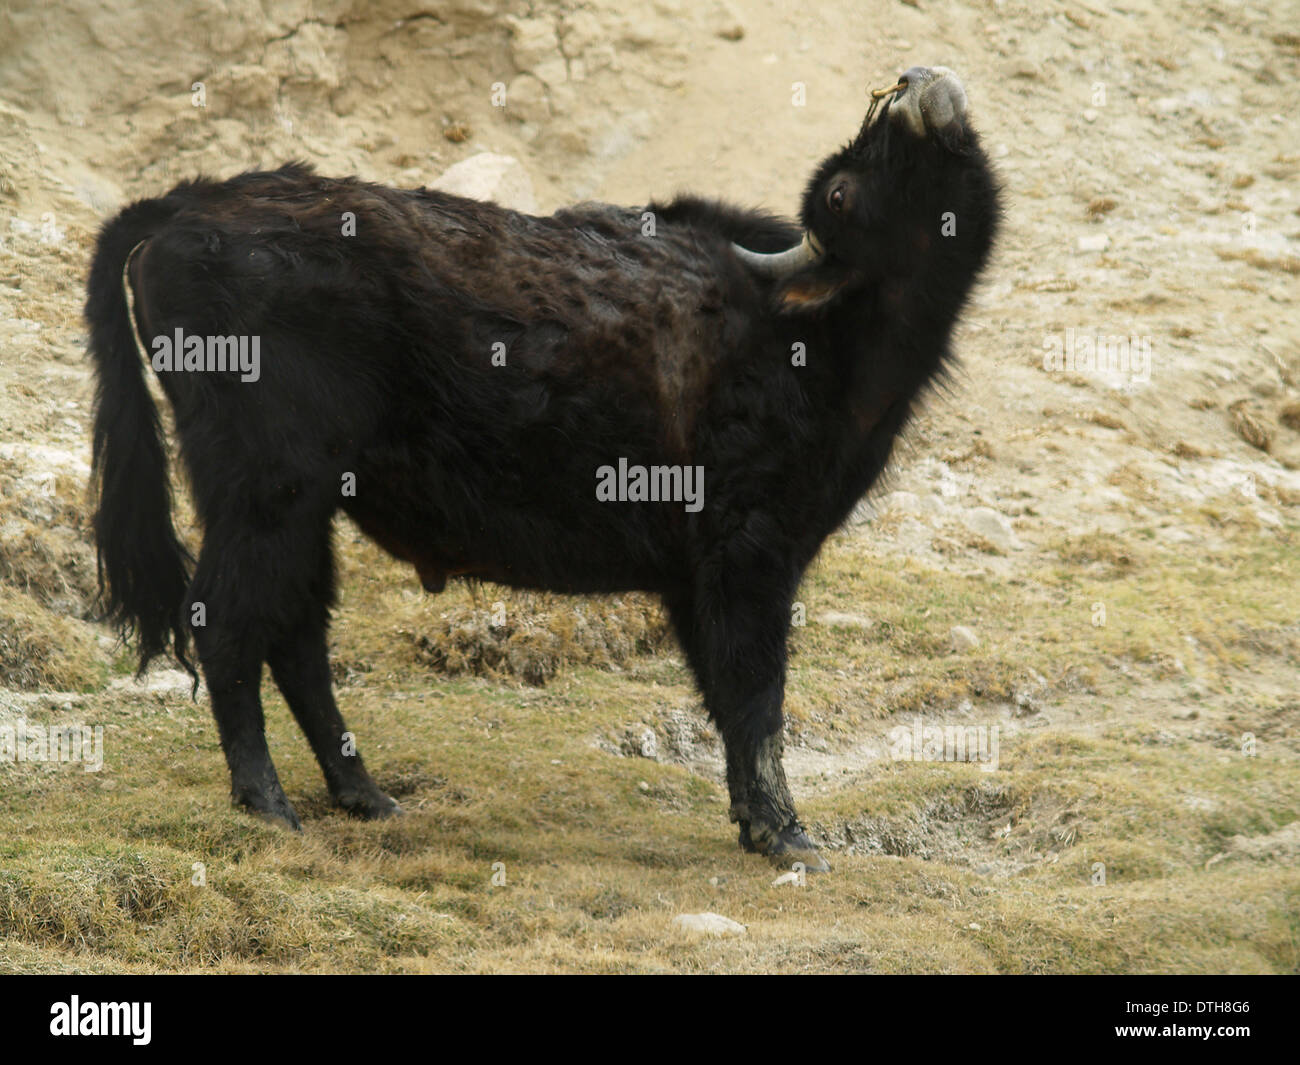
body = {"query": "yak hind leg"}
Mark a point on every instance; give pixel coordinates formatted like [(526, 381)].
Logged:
[(300, 665), (299, 660), (263, 595), (230, 623)]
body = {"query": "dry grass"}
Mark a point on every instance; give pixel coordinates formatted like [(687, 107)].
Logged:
[(1286, 264), (537, 635), (939, 867), (40, 650), (1289, 416)]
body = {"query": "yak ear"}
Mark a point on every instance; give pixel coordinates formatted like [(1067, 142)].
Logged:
[(810, 290)]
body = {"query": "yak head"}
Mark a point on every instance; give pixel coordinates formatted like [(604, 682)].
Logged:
[(910, 200)]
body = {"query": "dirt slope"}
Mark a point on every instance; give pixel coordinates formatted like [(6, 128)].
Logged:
[(1150, 154)]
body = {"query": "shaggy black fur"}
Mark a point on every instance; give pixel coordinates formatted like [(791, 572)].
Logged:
[(376, 362)]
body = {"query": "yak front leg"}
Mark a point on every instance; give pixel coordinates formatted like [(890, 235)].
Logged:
[(752, 721), (736, 646)]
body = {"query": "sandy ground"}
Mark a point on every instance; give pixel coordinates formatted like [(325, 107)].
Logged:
[(1149, 158)]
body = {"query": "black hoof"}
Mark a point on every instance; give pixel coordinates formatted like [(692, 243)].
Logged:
[(274, 808), (369, 804), (791, 844)]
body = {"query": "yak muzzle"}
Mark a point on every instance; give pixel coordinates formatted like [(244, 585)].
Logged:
[(932, 99)]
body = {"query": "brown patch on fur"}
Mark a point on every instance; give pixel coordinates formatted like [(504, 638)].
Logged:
[(808, 294), (866, 418)]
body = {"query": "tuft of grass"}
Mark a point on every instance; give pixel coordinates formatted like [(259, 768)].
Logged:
[(40, 650), (1287, 264), (534, 636), (483, 630), (54, 566)]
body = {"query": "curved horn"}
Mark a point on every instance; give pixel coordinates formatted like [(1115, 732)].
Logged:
[(782, 263)]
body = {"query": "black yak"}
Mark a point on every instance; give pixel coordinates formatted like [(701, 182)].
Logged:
[(461, 380)]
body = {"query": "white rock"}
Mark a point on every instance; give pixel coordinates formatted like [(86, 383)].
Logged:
[(838, 619), (907, 502), (488, 176), (1094, 242), (39, 459), (911, 503), (99, 193), (158, 680), (709, 924), (993, 527), (913, 535), (642, 31), (963, 638)]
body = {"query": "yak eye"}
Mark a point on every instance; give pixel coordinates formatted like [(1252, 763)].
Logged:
[(836, 199)]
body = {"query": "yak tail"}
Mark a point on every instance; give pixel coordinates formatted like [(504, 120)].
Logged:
[(143, 567)]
